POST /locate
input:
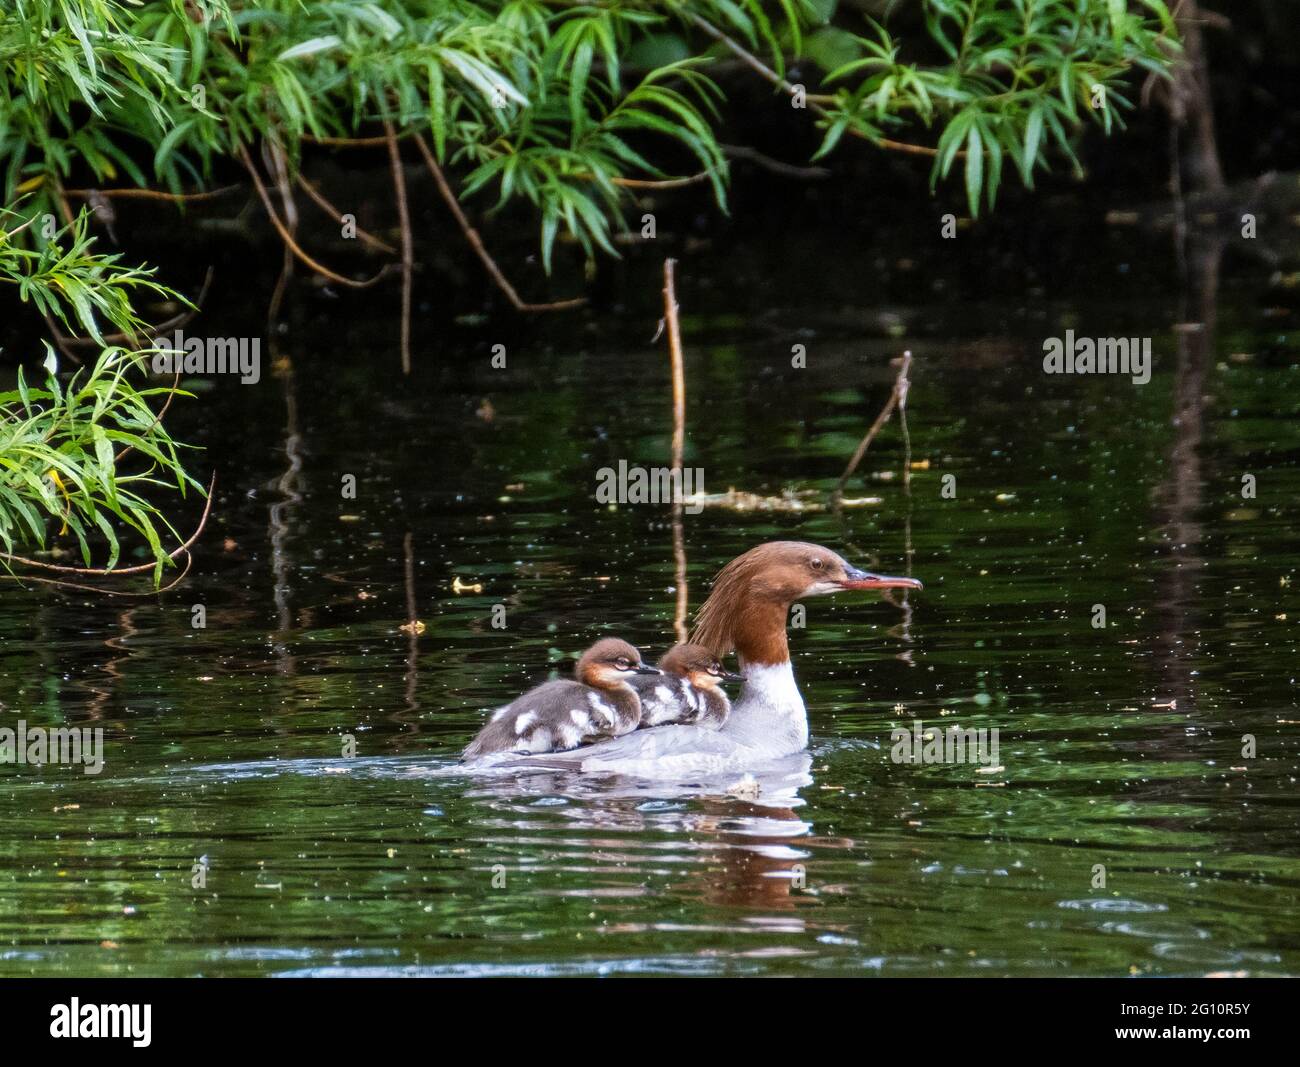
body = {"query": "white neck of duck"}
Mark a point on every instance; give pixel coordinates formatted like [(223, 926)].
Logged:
[(769, 715)]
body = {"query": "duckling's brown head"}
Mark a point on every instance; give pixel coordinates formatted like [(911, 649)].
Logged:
[(609, 663), (696, 664)]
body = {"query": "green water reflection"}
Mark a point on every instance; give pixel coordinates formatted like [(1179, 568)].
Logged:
[(1120, 746)]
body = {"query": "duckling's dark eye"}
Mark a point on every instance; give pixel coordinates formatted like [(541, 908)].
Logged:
[(622, 662), (816, 564)]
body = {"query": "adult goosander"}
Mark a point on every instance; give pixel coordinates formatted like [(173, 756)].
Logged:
[(689, 692), (598, 703), (745, 612)]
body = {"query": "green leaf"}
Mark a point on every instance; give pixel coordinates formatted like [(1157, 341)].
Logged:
[(310, 48), (438, 110), (974, 169), (1033, 136)]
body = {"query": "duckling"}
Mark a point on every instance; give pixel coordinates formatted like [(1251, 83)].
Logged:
[(564, 714), (690, 690)]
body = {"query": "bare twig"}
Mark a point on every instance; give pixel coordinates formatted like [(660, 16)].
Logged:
[(62, 196), (346, 142), (333, 212), (281, 287), (679, 442), (897, 395), (910, 149), (152, 194), (61, 584), (663, 183), (788, 170), (408, 256), (675, 354), (679, 563), (287, 237), (277, 166), (476, 242), (776, 166)]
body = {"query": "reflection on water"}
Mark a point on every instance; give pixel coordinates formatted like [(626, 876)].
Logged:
[(226, 834)]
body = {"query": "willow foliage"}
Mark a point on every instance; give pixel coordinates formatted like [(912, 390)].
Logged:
[(555, 103), (551, 102), (64, 447), (59, 468)]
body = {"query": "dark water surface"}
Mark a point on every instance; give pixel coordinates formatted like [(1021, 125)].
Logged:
[(1119, 747)]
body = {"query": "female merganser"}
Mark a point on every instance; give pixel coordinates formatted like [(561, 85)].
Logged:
[(745, 612), (564, 714), (689, 692)]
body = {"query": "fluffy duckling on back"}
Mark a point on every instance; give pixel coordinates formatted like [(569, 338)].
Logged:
[(690, 690), (564, 714)]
